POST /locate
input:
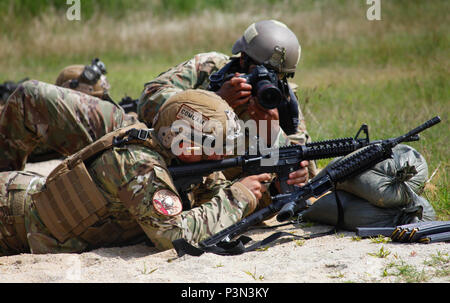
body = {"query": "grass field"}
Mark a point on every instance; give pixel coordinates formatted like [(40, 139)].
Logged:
[(391, 74)]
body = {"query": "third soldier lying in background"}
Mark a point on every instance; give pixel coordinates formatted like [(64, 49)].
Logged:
[(49, 121)]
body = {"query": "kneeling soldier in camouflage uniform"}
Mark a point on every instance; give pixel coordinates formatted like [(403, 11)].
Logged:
[(268, 42), (118, 189), (63, 118)]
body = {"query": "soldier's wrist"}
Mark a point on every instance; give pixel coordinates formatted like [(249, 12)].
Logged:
[(243, 194)]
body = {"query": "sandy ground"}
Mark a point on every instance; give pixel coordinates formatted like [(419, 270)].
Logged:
[(334, 259)]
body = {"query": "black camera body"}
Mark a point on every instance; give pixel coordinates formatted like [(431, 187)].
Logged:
[(270, 91), (92, 73), (264, 86)]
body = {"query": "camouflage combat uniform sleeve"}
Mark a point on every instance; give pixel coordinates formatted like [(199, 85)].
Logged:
[(137, 177), (206, 190), (42, 114), (193, 73)]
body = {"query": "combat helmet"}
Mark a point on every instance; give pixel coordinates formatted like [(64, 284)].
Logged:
[(271, 43), (89, 79), (200, 117)]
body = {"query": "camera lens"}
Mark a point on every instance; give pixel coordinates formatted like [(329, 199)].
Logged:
[(269, 96)]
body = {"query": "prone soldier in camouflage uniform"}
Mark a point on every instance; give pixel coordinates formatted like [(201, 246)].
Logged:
[(268, 42), (40, 117), (119, 189)]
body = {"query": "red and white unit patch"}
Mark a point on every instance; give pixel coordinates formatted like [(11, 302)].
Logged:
[(167, 203)]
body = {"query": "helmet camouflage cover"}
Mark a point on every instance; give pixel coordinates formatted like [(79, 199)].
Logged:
[(73, 72), (201, 114), (271, 43)]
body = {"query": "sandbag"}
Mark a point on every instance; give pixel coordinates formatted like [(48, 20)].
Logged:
[(386, 183), (358, 212), (388, 194)]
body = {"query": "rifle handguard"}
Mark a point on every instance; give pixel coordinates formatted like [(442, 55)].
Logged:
[(351, 165)]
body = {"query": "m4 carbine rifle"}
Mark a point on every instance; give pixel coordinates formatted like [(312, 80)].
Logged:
[(287, 204), (287, 160)]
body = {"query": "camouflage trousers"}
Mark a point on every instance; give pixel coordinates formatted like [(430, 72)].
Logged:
[(38, 114), (15, 208), (21, 228)]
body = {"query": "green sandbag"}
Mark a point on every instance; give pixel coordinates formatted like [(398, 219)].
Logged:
[(358, 212), (385, 184), (385, 195)]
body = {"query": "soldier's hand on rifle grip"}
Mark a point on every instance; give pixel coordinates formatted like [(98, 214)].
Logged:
[(300, 176), (235, 91), (254, 184)]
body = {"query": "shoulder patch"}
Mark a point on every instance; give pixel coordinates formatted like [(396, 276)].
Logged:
[(167, 203)]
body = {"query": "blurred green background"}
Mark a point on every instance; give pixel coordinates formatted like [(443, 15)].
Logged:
[(391, 74)]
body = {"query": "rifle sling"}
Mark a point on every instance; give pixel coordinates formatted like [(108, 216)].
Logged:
[(237, 247), (340, 212)]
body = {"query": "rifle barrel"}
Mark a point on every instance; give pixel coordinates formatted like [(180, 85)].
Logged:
[(417, 130)]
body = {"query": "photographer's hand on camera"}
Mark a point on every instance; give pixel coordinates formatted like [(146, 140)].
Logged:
[(235, 91)]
